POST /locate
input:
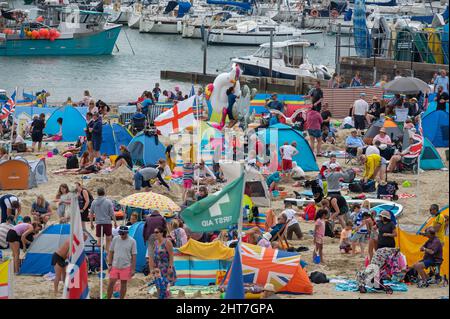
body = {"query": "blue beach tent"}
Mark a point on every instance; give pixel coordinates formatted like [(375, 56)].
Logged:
[(136, 231), (146, 149), (429, 157), (432, 107), (436, 128), (73, 124), (283, 133), (38, 260), (113, 136)]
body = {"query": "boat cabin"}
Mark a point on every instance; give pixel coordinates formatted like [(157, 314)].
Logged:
[(292, 52)]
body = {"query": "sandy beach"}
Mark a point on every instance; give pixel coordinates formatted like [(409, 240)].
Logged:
[(433, 188)]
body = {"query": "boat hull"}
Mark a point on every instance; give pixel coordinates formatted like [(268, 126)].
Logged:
[(260, 70), (101, 43), (150, 26), (223, 38)]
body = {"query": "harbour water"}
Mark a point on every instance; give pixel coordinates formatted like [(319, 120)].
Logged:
[(123, 76)]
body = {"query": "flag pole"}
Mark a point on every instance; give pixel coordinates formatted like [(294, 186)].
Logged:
[(72, 217), (241, 215), (101, 262)]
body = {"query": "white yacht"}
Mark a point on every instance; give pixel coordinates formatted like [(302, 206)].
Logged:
[(192, 26), (255, 32), (164, 19), (288, 61), (119, 11)]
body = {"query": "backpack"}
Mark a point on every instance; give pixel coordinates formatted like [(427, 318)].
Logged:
[(369, 187), (389, 189), (318, 277), (310, 211), (355, 187), (72, 162), (94, 262), (350, 175)]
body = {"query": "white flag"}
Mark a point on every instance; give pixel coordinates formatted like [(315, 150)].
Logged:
[(180, 116)]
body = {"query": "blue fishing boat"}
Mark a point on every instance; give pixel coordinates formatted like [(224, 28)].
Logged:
[(62, 31)]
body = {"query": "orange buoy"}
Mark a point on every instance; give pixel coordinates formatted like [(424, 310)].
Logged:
[(314, 13)]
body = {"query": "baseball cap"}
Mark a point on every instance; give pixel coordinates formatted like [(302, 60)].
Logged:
[(123, 230)]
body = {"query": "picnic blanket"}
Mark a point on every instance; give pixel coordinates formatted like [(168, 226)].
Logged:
[(352, 285)]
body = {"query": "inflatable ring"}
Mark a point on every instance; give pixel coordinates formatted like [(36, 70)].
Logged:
[(334, 13), (314, 13)]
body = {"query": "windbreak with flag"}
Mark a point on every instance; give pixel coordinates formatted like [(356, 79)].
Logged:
[(180, 116), (218, 210), (5, 279), (76, 284), (8, 107)]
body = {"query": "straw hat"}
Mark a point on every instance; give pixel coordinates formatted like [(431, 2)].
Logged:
[(269, 287), (383, 130), (385, 214)]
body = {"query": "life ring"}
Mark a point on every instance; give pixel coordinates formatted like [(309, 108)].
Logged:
[(334, 13), (314, 13)]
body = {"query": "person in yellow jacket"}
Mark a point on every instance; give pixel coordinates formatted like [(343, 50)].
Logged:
[(374, 167), (440, 222)]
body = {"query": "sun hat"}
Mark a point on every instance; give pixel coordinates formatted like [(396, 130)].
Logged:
[(269, 287), (267, 236), (383, 130), (385, 214)]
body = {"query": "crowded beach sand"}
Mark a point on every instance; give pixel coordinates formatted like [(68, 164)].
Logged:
[(433, 188)]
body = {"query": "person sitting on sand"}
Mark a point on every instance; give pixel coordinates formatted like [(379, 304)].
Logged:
[(203, 174), (272, 181), (161, 283), (124, 158), (143, 176), (58, 136), (41, 210)]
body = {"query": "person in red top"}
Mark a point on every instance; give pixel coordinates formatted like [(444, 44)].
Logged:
[(313, 124)]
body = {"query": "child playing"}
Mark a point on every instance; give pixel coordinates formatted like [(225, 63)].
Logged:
[(188, 178), (345, 242), (319, 233), (361, 232), (161, 283)]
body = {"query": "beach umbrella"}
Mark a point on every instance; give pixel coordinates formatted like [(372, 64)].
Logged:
[(150, 200), (406, 85)]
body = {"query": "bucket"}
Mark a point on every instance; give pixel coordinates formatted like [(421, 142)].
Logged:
[(49, 154)]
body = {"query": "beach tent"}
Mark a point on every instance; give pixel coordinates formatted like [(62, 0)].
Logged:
[(73, 124), (391, 127), (198, 264), (436, 128), (255, 183), (136, 231), (429, 157), (146, 149), (38, 171), (113, 136), (279, 133), (15, 174), (432, 107), (38, 258)]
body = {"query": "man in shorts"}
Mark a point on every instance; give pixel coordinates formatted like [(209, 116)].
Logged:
[(121, 261), (361, 232), (359, 112), (432, 250), (103, 210)]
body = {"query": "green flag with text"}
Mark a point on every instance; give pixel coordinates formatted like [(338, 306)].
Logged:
[(218, 210)]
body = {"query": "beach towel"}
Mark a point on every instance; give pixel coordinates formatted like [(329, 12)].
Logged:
[(352, 285), (406, 196)]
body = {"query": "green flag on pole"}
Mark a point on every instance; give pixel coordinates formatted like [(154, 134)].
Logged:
[(218, 210)]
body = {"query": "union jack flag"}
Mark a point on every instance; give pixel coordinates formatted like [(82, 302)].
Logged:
[(8, 107), (416, 149), (266, 265)]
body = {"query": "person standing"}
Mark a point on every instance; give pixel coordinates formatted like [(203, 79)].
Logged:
[(121, 261), (442, 80), (316, 95), (89, 125), (103, 210), (153, 221), (97, 136), (326, 116), (84, 203), (162, 257), (156, 91), (59, 264), (4, 228), (440, 222), (37, 131), (319, 233), (356, 81), (287, 153), (293, 225), (275, 104), (386, 231), (359, 112), (313, 124), (441, 99)]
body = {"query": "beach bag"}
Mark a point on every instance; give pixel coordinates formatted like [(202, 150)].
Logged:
[(94, 262), (72, 162), (310, 212), (318, 277), (350, 175), (389, 189), (355, 187)]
